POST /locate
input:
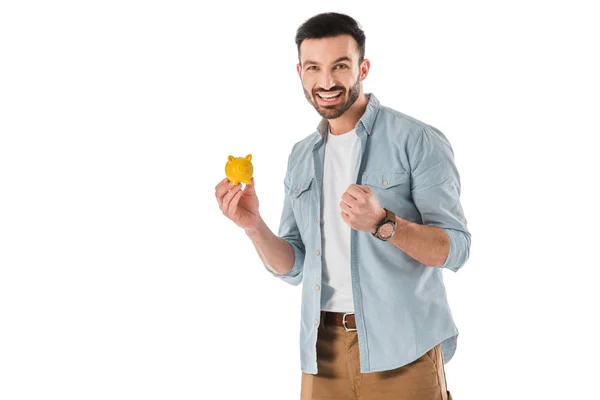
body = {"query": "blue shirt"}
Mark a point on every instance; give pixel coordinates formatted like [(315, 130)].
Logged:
[(400, 305)]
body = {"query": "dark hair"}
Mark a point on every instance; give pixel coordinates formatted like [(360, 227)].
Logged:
[(330, 25)]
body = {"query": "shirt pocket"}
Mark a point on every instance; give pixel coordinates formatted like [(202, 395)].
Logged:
[(301, 194), (392, 188)]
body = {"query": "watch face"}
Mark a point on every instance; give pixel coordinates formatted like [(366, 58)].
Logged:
[(386, 230)]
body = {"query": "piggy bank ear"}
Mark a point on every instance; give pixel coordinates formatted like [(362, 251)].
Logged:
[(230, 158), (249, 157)]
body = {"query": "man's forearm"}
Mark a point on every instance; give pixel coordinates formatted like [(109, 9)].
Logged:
[(276, 253), (427, 244)]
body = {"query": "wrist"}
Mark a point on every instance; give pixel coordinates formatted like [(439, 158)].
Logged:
[(387, 227), (254, 229), (381, 216)]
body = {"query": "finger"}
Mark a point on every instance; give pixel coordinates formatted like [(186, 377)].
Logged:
[(250, 186), (345, 207), (359, 196), (345, 217), (365, 188), (227, 198), (234, 202), (356, 191), (221, 183), (348, 199), (222, 188)]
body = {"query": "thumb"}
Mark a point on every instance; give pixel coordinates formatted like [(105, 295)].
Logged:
[(250, 187)]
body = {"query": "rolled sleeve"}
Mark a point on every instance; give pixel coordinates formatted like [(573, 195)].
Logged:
[(460, 245), (435, 188), (294, 277)]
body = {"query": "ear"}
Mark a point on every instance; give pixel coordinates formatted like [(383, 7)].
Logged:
[(299, 69), (364, 69), (230, 158), (249, 157)]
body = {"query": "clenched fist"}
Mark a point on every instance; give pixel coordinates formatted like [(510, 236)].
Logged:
[(361, 209)]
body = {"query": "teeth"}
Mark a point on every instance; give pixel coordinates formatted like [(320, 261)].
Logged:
[(329, 96)]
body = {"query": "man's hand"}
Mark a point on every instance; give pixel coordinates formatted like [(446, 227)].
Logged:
[(240, 206), (361, 209)]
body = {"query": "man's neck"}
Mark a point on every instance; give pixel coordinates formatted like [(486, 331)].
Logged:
[(348, 120)]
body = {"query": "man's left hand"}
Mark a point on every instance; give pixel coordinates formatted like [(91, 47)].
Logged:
[(361, 209)]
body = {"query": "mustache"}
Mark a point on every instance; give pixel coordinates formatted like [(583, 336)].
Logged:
[(333, 89)]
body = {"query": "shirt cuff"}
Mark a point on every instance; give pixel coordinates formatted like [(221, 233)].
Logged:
[(294, 277), (460, 244)]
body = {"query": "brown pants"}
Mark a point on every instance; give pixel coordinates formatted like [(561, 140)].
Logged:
[(340, 378)]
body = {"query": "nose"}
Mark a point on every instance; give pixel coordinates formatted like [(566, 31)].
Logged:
[(326, 80)]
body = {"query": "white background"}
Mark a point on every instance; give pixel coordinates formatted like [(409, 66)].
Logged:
[(121, 279)]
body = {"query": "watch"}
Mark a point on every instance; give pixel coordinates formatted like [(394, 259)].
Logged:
[(387, 227)]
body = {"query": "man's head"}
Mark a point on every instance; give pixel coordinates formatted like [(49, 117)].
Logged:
[(332, 64)]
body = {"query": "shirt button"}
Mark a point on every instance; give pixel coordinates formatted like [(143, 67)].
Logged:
[(318, 287), (318, 220), (316, 322), (384, 182), (318, 253)]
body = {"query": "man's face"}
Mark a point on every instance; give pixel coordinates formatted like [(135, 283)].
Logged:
[(330, 74)]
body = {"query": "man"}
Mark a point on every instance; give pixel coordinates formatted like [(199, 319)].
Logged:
[(370, 219)]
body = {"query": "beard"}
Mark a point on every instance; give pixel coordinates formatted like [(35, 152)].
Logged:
[(336, 110)]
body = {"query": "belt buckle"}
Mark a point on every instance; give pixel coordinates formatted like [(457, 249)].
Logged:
[(344, 323)]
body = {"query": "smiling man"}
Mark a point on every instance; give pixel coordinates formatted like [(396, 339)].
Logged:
[(371, 217)]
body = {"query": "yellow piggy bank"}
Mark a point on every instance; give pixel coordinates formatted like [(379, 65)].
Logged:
[(239, 169)]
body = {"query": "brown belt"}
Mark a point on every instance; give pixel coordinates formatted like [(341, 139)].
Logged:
[(337, 318)]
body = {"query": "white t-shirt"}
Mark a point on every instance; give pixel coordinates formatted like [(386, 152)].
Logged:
[(341, 157)]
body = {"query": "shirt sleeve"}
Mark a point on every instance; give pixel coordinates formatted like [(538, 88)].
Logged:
[(435, 187), (288, 230)]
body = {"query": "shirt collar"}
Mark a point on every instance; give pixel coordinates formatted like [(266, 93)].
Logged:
[(367, 120)]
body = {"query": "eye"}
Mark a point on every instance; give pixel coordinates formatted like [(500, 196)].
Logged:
[(312, 68), (341, 66)]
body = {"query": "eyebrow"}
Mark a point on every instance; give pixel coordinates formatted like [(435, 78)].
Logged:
[(344, 58)]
